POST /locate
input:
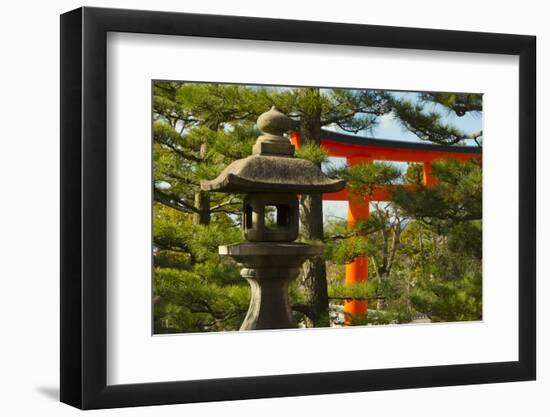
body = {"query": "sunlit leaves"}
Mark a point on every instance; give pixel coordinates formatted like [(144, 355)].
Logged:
[(455, 299), (364, 177), (313, 153)]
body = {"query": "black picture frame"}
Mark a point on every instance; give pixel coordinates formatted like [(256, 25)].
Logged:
[(84, 207)]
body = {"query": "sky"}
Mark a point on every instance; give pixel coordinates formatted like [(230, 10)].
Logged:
[(389, 128)]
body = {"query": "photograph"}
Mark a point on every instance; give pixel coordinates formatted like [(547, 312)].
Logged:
[(300, 207), (282, 205)]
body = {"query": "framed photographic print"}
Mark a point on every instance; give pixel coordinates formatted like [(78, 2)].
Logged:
[(255, 208)]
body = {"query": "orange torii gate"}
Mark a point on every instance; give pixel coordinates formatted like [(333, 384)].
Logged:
[(358, 149)]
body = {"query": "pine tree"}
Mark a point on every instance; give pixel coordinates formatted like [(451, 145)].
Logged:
[(443, 244), (197, 130)]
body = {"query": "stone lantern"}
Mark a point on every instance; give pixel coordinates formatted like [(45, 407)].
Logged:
[(271, 179)]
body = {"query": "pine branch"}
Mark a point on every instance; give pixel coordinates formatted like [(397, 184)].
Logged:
[(174, 202), (335, 237), (174, 245), (232, 200), (458, 103), (428, 126), (179, 151)]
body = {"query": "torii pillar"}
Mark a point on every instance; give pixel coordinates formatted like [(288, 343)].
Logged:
[(357, 271)]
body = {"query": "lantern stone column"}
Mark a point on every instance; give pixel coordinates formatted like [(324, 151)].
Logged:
[(271, 178), (269, 268)]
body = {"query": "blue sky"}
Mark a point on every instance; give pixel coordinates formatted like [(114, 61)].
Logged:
[(389, 128)]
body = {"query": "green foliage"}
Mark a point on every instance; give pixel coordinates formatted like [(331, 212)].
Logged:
[(445, 300), (344, 244), (443, 247), (456, 198), (466, 237), (195, 289), (364, 177), (185, 302), (346, 250), (360, 291), (313, 153)]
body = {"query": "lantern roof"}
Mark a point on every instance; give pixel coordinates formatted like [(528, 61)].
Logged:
[(272, 168)]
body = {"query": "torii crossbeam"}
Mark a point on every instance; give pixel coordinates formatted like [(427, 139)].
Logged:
[(358, 149)]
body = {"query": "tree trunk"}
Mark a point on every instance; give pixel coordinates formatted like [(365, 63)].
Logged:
[(202, 204), (202, 199), (313, 277)]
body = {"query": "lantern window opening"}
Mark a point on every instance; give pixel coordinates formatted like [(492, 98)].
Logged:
[(276, 216), (248, 216)]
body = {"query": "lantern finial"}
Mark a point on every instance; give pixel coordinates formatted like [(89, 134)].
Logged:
[(274, 122), (274, 125)]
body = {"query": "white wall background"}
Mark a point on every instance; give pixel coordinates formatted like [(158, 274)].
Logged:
[(29, 172)]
